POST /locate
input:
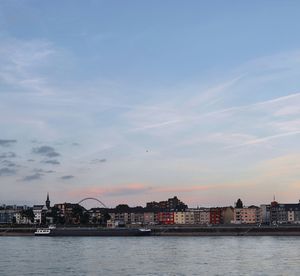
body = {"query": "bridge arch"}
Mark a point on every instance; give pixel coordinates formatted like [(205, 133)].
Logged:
[(93, 198)]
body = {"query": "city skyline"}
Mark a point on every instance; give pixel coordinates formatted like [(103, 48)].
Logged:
[(133, 101), (94, 202)]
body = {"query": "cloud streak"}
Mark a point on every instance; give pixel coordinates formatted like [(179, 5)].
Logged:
[(52, 162), (45, 151), (8, 163), (158, 125), (32, 177), (97, 161), (7, 171), (264, 139), (7, 155), (43, 171), (7, 142), (67, 177)]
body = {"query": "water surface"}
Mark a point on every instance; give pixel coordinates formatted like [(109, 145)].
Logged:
[(150, 256)]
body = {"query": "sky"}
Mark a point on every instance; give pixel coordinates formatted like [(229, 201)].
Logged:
[(135, 101)]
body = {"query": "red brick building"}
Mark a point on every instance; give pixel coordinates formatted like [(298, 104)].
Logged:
[(166, 217), (215, 216)]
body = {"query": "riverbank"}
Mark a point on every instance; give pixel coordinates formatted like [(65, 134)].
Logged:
[(241, 230), (17, 231), (227, 231)]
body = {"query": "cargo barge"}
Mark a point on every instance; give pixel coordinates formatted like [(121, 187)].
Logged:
[(92, 232)]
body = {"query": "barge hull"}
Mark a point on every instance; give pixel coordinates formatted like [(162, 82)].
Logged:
[(98, 232)]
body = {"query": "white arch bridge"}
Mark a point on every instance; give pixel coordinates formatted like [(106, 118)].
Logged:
[(95, 199)]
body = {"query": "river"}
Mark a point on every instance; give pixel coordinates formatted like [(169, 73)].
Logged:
[(149, 256)]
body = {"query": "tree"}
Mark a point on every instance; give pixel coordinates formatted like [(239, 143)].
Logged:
[(106, 217), (239, 204), (28, 213), (55, 214), (77, 213), (122, 208), (85, 218)]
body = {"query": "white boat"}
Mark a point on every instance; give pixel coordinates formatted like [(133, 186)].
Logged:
[(144, 230), (42, 232)]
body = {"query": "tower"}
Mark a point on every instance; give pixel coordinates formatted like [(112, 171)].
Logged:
[(48, 201)]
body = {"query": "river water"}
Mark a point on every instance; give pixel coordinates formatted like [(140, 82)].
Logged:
[(149, 256)]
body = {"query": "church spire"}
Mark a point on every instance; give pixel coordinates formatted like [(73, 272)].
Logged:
[(48, 201)]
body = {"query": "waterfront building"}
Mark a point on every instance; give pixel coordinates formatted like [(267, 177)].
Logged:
[(227, 215), (112, 217), (40, 212), (20, 218), (137, 218), (96, 215), (265, 213), (291, 216), (247, 215), (284, 213), (7, 216), (201, 216), (37, 211), (293, 213), (172, 204), (179, 217), (150, 218), (166, 217), (215, 217), (11, 214), (70, 213), (189, 217), (120, 217), (278, 213)]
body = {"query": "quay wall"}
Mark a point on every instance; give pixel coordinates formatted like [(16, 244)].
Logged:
[(227, 231), (188, 231)]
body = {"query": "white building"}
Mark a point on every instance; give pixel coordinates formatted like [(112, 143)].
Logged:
[(189, 217), (37, 211)]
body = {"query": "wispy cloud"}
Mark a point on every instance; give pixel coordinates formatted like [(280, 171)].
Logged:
[(130, 189), (67, 177), (221, 138), (45, 151), (20, 60), (7, 142), (32, 177), (158, 125), (243, 108), (52, 162), (43, 171), (265, 139), (127, 190), (97, 161), (7, 171), (9, 154), (209, 96), (8, 163)]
